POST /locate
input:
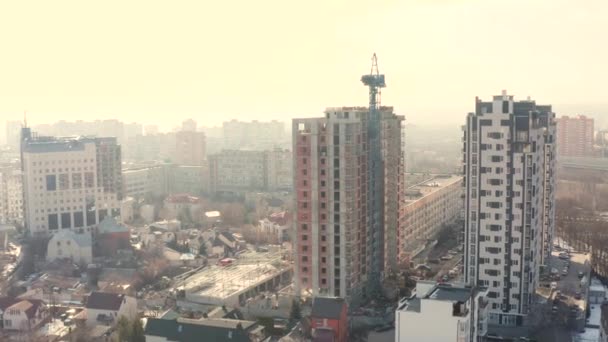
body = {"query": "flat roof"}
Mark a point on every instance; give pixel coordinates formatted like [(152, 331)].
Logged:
[(429, 186), (249, 270), (456, 294)]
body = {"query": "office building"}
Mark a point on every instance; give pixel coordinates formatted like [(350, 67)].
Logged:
[(428, 206), (508, 160), (336, 247), (442, 312), (575, 136), (189, 148), (69, 183)]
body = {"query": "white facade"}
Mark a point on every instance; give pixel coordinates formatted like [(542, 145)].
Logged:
[(506, 146), (70, 183), (128, 308), (70, 245), (24, 315), (271, 228), (441, 312)]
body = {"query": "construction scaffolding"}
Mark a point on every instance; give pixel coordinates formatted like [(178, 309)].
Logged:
[(248, 275), (375, 229)]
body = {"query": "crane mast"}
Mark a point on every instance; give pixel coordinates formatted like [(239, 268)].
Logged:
[(375, 228)]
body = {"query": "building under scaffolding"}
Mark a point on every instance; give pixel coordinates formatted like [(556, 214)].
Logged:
[(243, 278)]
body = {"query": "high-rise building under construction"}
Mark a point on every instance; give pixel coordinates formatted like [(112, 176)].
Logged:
[(348, 175)]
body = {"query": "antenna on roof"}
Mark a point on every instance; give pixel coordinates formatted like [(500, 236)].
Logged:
[(25, 118)]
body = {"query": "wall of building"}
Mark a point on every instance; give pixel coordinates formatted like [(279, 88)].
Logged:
[(434, 322), (505, 167), (70, 183)]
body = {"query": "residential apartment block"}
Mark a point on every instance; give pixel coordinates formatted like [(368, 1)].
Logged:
[(247, 170), (508, 155), (575, 136), (162, 179), (442, 312), (334, 241), (255, 135), (69, 183), (190, 148), (427, 207), (11, 195)]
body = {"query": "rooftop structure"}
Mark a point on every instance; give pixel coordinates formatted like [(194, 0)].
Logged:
[(237, 281), (459, 310)]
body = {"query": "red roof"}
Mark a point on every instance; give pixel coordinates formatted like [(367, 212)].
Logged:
[(29, 306), (281, 218)]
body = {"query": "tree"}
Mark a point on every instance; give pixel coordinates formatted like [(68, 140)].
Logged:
[(138, 334), (125, 329), (130, 331), (202, 250), (296, 311)]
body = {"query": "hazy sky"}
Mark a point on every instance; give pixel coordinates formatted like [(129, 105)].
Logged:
[(163, 61)]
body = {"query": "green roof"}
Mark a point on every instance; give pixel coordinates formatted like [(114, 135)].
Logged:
[(190, 330), (109, 225)]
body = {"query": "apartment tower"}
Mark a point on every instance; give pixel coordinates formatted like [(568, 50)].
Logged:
[(509, 153), (575, 136), (333, 236), (69, 183)]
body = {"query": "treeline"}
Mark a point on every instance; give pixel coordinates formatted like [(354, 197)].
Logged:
[(584, 231)]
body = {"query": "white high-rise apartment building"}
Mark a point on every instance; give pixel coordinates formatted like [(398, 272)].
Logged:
[(69, 183), (509, 154)]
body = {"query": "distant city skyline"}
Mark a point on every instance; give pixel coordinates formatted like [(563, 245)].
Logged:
[(162, 63)]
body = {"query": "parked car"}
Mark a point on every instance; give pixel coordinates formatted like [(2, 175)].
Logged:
[(578, 295), (581, 274), (553, 285), (447, 257)]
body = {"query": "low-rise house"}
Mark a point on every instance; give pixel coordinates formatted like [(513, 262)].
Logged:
[(69, 245), (112, 236), (275, 226), (206, 329), (183, 204), (329, 320), (107, 308), (442, 312), (24, 315)]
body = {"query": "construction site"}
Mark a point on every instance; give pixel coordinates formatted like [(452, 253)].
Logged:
[(234, 280)]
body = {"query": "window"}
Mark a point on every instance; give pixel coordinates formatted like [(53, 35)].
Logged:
[(304, 226), (89, 179), (66, 220), (53, 221), (51, 183), (305, 237)]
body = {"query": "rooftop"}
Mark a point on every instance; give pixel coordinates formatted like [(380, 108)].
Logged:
[(182, 198), (326, 307), (105, 301), (186, 330), (457, 293), (110, 225), (214, 283), (454, 294), (83, 240), (429, 186)]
